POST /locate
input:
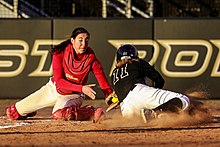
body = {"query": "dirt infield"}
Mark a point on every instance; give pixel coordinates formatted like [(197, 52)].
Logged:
[(41, 130)]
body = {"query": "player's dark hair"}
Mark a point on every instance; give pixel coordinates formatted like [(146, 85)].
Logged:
[(122, 62), (78, 31), (61, 47)]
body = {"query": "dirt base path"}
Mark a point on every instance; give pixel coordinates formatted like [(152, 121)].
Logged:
[(41, 130)]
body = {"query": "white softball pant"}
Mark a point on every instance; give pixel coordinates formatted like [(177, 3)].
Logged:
[(47, 96), (143, 96)]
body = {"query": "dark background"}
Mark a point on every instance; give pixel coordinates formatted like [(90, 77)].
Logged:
[(106, 36)]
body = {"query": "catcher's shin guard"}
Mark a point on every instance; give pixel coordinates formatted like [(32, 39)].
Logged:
[(78, 113), (13, 114), (88, 113), (63, 114), (83, 113)]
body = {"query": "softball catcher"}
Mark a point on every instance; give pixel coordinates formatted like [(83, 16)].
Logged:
[(72, 61), (135, 96)]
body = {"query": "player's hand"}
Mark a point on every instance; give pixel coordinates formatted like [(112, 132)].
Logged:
[(87, 90)]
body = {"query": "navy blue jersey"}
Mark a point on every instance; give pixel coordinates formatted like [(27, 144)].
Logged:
[(125, 78)]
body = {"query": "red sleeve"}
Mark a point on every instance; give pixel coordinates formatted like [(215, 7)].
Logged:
[(101, 78), (59, 77)]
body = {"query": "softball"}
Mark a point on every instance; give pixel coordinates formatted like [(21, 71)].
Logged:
[(114, 99)]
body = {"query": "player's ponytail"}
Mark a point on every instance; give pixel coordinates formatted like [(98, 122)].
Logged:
[(122, 63), (60, 47)]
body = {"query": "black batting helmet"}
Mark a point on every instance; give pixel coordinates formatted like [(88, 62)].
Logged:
[(127, 51)]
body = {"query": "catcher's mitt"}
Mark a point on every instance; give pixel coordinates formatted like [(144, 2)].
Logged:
[(111, 101)]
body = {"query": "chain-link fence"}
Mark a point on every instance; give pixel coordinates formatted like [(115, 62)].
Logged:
[(109, 8), (187, 8)]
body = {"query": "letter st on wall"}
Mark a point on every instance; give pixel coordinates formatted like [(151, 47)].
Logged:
[(175, 59)]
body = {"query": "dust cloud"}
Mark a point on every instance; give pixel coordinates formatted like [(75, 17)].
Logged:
[(197, 114)]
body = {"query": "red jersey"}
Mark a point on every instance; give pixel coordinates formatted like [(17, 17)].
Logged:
[(71, 70)]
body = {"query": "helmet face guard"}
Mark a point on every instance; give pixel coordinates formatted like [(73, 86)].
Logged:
[(126, 51)]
